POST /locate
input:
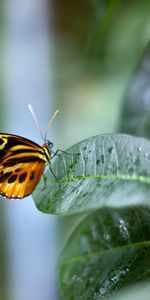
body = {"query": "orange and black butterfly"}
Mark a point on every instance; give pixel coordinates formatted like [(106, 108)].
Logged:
[(22, 163)]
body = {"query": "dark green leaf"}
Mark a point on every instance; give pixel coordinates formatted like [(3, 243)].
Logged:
[(111, 170), (108, 250), (136, 108)]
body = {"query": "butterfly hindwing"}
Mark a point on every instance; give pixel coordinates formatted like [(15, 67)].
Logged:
[(20, 181), (22, 162)]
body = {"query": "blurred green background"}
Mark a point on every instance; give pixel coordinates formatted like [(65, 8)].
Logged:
[(78, 56)]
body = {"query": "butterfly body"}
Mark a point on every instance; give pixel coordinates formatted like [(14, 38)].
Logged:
[(22, 163)]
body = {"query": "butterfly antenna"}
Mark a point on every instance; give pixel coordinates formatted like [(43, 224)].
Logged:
[(35, 119), (50, 122)]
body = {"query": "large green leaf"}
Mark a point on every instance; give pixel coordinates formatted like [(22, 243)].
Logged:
[(112, 170), (108, 250)]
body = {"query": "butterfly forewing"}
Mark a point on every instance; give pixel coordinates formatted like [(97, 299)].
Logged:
[(22, 162)]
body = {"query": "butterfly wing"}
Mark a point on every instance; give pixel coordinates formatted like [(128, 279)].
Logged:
[(20, 181), (22, 162)]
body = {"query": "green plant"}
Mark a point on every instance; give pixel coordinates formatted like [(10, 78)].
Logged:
[(110, 184)]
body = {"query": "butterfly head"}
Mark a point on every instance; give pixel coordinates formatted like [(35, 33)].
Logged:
[(49, 144)]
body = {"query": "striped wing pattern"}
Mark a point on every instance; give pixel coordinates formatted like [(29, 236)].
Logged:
[(22, 163)]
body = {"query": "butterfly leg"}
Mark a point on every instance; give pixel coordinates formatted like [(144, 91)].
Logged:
[(44, 182), (45, 179), (59, 151), (54, 176), (62, 151)]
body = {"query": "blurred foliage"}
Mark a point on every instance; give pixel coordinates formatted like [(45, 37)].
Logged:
[(96, 45), (135, 117), (135, 292), (106, 32)]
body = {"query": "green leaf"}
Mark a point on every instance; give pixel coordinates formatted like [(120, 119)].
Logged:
[(136, 107), (108, 250), (111, 170)]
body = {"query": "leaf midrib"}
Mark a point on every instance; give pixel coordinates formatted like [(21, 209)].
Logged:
[(103, 252), (137, 178)]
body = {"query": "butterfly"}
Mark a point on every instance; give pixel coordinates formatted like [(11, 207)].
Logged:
[(22, 163)]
